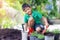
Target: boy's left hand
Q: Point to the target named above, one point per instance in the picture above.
(45, 29)
(47, 25)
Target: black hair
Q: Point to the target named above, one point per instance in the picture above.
(25, 5)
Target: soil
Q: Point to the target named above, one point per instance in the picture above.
(10, 34)
(48, 34)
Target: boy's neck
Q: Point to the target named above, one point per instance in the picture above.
(30, 14)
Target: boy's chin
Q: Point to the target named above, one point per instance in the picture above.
(29, 13)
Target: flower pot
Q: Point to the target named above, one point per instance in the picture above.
(32, 37)
(56, 37)
(35, 38)
(49, 37)
(41, 39)
(24, 35)
(59, 37)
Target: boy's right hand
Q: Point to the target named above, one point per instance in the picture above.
(30, 30)
(45, 30)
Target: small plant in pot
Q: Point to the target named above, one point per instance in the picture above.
(36, 36)
(57, 33)
(49, 35)
(33, 36)
(41, 36)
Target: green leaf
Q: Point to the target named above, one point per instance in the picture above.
(56, 31)
(40, 36)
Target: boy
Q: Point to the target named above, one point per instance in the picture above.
(33, 19)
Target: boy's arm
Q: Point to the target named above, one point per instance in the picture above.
(43, 18)
(45, 22)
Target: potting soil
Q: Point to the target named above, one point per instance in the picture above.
(10, 34)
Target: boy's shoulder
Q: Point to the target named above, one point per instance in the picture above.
(35, 11)
(26, 15)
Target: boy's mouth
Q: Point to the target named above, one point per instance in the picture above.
(29, 13)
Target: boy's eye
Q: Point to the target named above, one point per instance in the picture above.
(26, 10)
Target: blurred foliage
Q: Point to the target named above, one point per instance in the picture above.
(54, 5)
(56, 31)
(42, 10)
(58, 16)
(38, 35)
(38, 2)
(2, 15)
(54, 13)
(38, 5)
(17, 4)
(7, 22)
(14, 3)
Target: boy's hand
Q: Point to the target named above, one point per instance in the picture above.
(44, 31)
(30, 30)
(47, 25)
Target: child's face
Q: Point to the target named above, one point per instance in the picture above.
(28, 10)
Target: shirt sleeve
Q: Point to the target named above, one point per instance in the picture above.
(39, 15)
(25, 19)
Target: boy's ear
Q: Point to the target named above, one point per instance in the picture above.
(31, 7)
(23, 10)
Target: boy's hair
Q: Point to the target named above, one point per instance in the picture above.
(25, 5)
